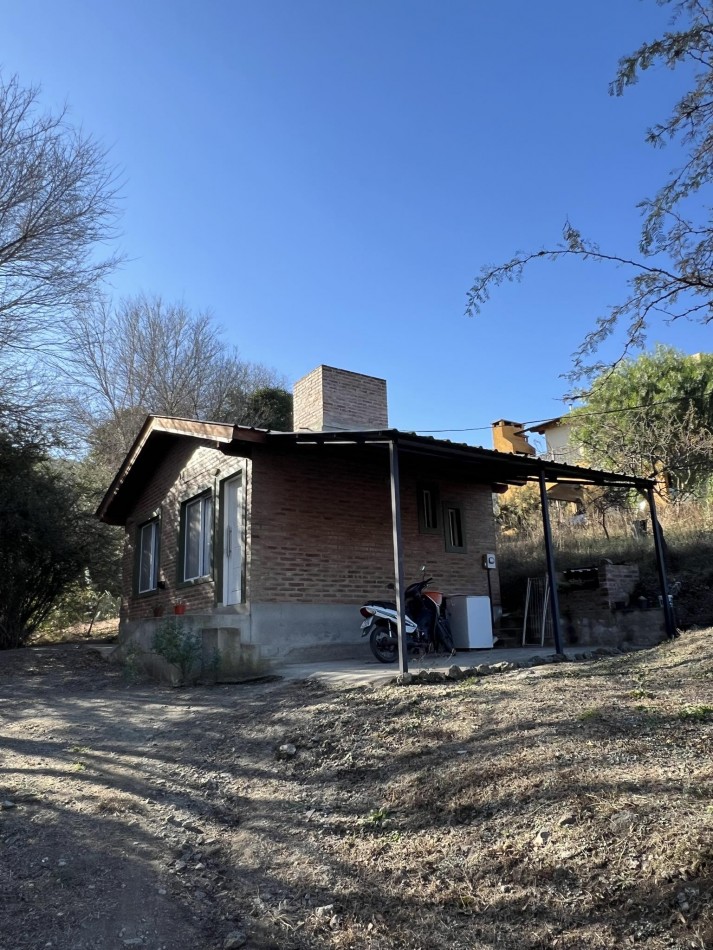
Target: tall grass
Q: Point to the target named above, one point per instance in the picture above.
(688, 532)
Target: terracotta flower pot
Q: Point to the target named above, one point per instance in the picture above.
(179, 609)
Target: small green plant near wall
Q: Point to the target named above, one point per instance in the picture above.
(132, 664)
(696, 713)
(178, 646)
(212, 666)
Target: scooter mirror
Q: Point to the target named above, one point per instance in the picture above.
(390, 586)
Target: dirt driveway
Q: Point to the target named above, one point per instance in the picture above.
(559, 807)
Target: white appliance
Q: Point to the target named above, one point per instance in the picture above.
(471, 622)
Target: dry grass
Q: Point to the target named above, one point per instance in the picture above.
(548, 808)
(101, 630)
(566, 806)
(688, 530)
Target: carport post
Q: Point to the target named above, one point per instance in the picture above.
(549, 556)
(398, 556)
(668, 618)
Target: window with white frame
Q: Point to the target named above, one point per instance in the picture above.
(428, 505)
(148, 541)
(453, 524)
(197, 528)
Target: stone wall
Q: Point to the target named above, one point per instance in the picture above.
(607, 615)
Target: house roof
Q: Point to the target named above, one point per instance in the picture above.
(491, 466)
(547, 424)
(157, 435)
(485, 466)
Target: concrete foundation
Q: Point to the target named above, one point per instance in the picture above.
(303, 632)
(241, 642)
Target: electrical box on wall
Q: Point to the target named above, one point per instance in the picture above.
(489, 562)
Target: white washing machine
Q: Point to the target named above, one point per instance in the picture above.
(471, 622)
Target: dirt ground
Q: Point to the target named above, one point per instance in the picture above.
(565, 806)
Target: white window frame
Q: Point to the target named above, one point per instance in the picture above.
(205, 536)
(153, 527)
(454, 522)
(429, 508)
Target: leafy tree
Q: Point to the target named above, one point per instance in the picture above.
(652, 416)
(49, 538)
(58, 204)
(519, 511)
(269, 408)
(673, 274)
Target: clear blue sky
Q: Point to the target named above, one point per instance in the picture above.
(328, 176)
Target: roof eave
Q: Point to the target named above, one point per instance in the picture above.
(220, 432)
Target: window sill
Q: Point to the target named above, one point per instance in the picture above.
(194, 582)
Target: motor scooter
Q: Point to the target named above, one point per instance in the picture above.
(427, 629)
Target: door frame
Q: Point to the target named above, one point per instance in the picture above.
(240, 474)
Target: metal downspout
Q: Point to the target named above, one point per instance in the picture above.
(549, 555)
(669, 621)
(398, 556)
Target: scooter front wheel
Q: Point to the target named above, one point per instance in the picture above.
(384, 644)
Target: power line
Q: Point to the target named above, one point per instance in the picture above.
(579, 415)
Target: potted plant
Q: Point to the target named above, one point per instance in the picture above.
(179, 607)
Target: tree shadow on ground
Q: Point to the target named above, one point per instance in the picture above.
(415, 814)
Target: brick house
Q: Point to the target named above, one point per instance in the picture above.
(273, 540)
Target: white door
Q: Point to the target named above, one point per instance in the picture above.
(232, 542)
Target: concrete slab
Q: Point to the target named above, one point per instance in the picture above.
(367, 671)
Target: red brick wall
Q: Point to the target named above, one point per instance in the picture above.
(187, 469)
(453, 572)
(321, 529)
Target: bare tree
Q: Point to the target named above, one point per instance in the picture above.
(146, 356)
(58, 201)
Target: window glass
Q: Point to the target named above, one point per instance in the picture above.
(148, 557)
(206, 528)
(428, 506)
(198, 521)
(453, 527)
(429, 510)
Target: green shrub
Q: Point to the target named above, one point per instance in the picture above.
(178, 646)
(697, 713)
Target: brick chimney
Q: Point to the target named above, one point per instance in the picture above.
(329, 399)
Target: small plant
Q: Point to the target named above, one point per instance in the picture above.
(178, 646)
(213, 664)
(378, 816)
(132, 663)
(697, 713)
(587, 715)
